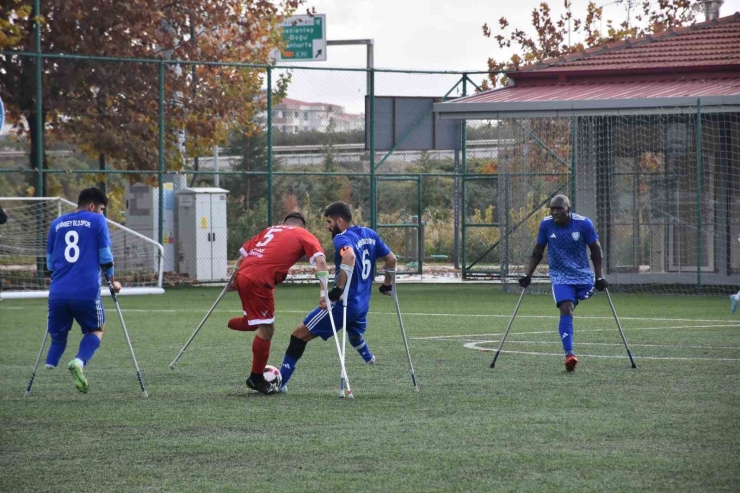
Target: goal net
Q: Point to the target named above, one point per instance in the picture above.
(662, 189)
(23, 272)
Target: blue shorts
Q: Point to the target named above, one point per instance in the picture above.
(571, 292)
(319, 323)
(88, 313)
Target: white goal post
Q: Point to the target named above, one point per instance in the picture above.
(138, 259)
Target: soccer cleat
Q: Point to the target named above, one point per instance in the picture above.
(283, 389)
(371, 361)
(263, 386)
(80, 381)
(50, 367)
(734, 301)
(570, 362)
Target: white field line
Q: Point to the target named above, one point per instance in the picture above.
(473, 345)
(672, 346)
(416, 314)
(630, 329)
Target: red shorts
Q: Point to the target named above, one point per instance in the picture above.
(258, 301)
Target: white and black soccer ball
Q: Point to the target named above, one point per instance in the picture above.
(273, 376)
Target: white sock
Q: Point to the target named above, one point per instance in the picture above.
(82, 363)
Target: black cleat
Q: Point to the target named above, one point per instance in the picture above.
(261, 386)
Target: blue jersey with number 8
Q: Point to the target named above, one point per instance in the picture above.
(73, 245)
(368, 248)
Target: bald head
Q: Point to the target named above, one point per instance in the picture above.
(560, 201)
(560, 209)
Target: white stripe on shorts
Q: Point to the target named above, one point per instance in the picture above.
(99, 308)
(316, 319)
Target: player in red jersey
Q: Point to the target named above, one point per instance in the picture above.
(265, 261)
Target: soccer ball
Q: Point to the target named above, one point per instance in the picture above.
(273, 377)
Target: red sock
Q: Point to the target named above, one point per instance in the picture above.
(260, 354)
(240, 324)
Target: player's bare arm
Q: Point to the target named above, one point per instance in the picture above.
(348, 259)
(534, 260)
(389, 266)
(597, 259)
(321, 270)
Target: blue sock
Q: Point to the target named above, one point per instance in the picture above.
(566, 333)
(287, 368)
(88, 345)
(359, 343)
(56, 350)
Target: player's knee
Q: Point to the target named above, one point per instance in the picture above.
(59, 338)
(301, 332)
(296, 347)
(265, 331)
(566, 307)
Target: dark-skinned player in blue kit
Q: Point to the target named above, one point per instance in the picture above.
(566, 235)
(77, 249)
(356, 250)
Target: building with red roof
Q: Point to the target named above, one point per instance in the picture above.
(644, 135)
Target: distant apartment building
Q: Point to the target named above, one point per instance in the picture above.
(293, 116)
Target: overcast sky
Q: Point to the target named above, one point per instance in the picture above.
(410, 34)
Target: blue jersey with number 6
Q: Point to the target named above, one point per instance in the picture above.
(368, 248)
(73, 245)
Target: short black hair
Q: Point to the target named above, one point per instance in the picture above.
(338, 209)
(295, 215)
(92, 194)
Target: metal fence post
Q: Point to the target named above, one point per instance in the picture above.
(269, 147)
(573, 151)
(40, 261)
(464, 169)
(160, 147)
(373, 185)
(699, 166)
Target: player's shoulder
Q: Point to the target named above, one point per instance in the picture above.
(579, 219)
(546, 220)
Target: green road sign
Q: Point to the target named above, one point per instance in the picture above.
(305, 38)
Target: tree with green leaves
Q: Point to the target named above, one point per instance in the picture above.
(110, 108)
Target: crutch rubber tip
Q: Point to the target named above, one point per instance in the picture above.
(172, 367)
(145, 394)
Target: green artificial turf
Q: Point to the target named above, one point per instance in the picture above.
(527, 425)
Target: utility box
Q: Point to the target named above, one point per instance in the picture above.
(203, 233)
(142, 215)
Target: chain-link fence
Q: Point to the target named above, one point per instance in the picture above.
(664, 202)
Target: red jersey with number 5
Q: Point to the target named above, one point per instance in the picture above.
(271, 253)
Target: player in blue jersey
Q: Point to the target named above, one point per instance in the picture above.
(356, 250)
(77, 249)
(566, 235)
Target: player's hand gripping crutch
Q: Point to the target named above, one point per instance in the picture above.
(619, 326)
(384, 290)
(495, 356)
(125, 333)
(325, 288)
(223, 292)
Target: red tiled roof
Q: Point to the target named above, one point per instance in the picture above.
(608, 91)
(712, 43)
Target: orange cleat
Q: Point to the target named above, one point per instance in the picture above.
(570, 362)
